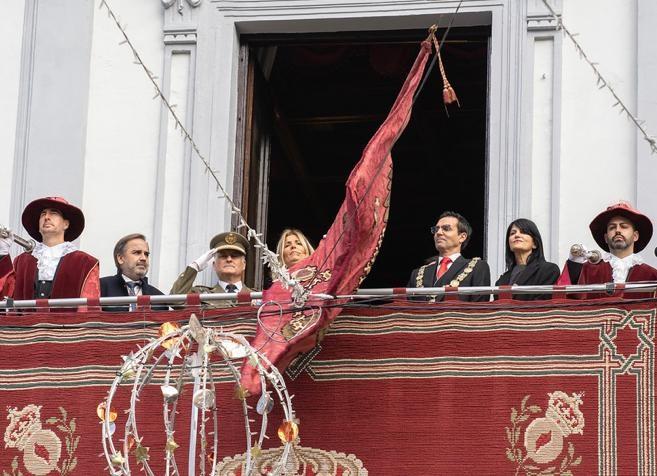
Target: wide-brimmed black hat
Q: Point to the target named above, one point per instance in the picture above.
(70, 212)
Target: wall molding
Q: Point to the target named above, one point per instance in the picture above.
(23, 119)
(646, 107)
(53, 103)
(180, 5)
(179, 38)
(541, 23)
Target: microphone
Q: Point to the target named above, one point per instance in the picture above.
(593, 256)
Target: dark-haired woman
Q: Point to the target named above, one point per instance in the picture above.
(525, 261)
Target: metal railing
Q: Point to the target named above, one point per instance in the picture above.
(256, 297)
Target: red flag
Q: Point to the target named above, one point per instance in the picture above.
(345, 256)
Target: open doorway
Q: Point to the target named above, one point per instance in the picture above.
(311, 104)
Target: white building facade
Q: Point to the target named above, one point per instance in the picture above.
(79, 119)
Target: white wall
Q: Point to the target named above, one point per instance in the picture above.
(123, 129)
(598, 147)
(11, 24)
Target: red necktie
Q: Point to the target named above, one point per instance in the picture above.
(444, 263)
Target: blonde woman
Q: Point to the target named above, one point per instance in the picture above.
(293, 246)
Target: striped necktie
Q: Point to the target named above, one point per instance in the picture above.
(131, 285)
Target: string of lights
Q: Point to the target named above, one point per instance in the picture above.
(602, 82)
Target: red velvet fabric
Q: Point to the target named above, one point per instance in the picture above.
(72, 275)
(7, 276)
(344, 257)
(602, 273)
(412, 390)
(143, 303)
(564, 278)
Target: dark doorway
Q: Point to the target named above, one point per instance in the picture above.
(320, 99)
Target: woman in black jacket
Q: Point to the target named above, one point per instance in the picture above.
(525, 261)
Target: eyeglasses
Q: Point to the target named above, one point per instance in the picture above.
(434, 229)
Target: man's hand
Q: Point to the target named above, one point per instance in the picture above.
(5, 244)
(578, 254)
(202, 262)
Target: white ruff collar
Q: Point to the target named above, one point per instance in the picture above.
(48, 258)
(621, 266)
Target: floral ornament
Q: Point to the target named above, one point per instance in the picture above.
(301, 460)
(544, 437)
(41, 448)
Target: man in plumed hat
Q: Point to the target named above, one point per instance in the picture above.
(227, 254)
(55, 268)
(621, 231)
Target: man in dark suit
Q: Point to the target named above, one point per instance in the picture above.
(132, 259)
(451, 235)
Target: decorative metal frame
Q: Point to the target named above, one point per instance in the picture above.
(178, 344)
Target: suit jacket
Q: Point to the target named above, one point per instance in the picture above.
(480, 276)
(114, 286)
(185, 285)
(536, 273)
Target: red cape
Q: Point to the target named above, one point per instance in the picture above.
(602, 273)
(77, 276)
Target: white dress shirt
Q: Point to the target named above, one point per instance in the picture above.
(453, 257)
(223, 284)
(137, 286)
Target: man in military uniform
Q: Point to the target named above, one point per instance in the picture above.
(451, 235)
(228, 257)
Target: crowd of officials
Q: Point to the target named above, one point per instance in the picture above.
(55, 268)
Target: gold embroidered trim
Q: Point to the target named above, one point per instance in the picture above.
(420, 275)
(464, 274)
(300, 460)
(300, 321)
(453, 283)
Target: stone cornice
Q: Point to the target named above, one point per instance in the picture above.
(180, 4)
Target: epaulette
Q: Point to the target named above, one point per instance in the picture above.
(200, 289)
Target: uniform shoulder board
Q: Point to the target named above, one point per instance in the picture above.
(200, 289)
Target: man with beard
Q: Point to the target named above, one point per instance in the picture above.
(132, 260)
(621, 231)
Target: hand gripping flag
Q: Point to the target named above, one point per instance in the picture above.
(346, 254)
